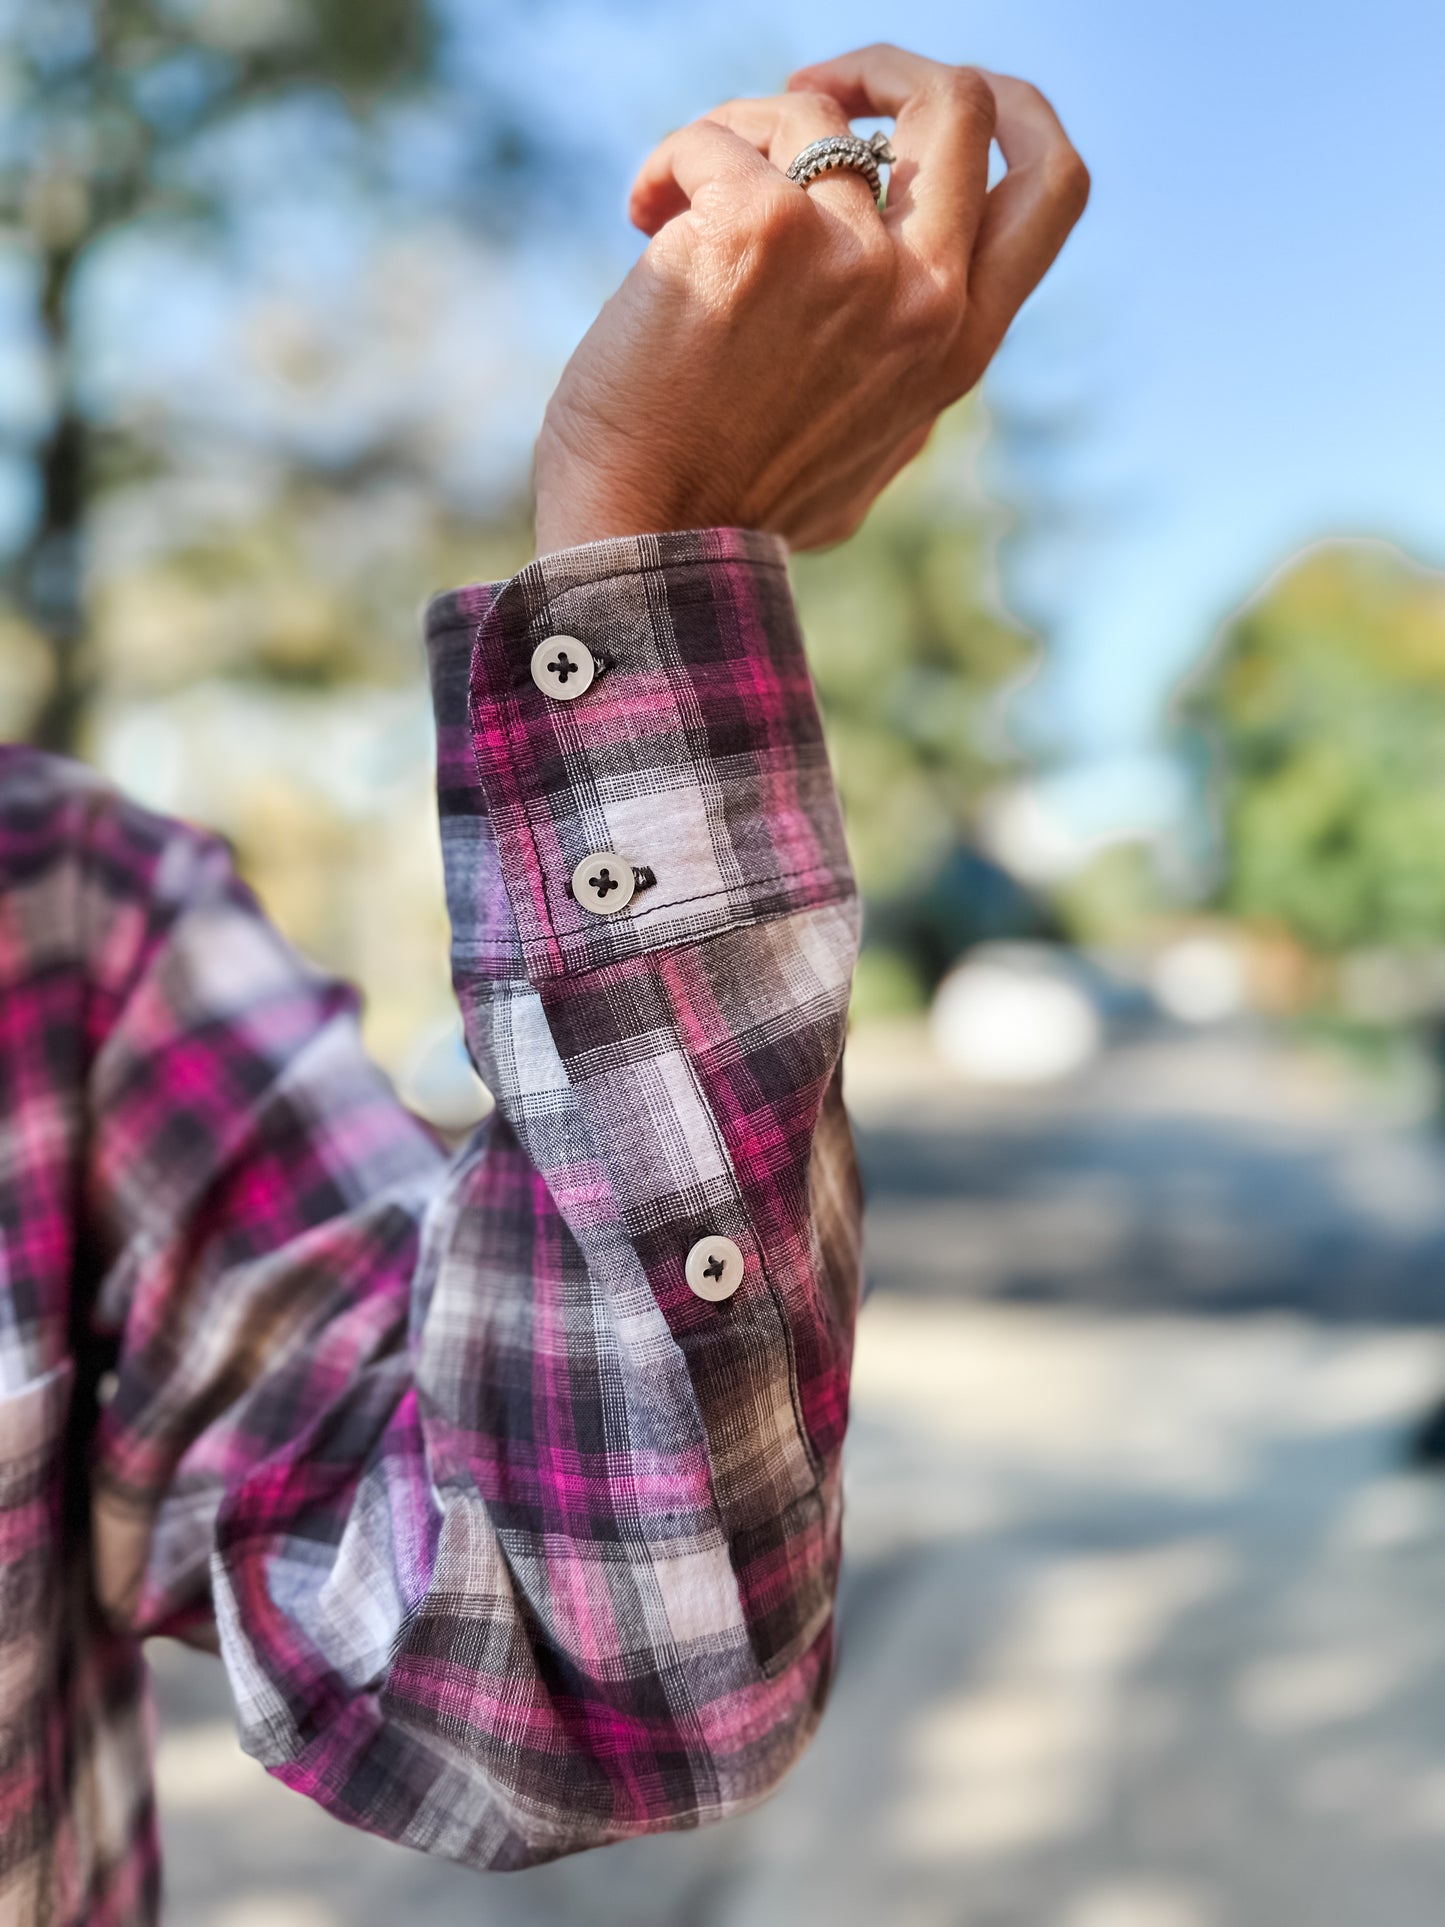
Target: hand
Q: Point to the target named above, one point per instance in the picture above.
(778, 353)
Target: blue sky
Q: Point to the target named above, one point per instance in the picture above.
(1244, 334)
(1246, 330)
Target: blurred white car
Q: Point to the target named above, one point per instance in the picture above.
(1018, 1013)
(440, 1084)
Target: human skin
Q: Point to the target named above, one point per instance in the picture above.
(778, 353)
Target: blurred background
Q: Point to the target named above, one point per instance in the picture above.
(1136, 693)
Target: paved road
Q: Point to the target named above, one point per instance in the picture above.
(1213, 1176)
(1142, 1624)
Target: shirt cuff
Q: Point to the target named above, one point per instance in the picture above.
(694, 755)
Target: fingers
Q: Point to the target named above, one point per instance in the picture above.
(783, 125)
(700, 158)
(777, 129)
(939, 191)
(1029, 214)
(870, 80)
(944, 121)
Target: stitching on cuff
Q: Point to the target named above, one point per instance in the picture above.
(745, 920)
(655, 910)
(692, 565)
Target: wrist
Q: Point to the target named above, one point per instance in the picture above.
(573, 513)
(590, 488)
(568, 524)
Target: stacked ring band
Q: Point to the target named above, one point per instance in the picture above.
(846, 151)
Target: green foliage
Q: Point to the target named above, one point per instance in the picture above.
(313, 593)
(195, 559)
(116, 116)
(1322, 713)
(887, 983)
(1114, 898)
(114, 94)
(911, 654)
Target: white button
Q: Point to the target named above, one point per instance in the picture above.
(563, 668)
(603, 884)
(714, 1268)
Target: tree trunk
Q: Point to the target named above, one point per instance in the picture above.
(50, 570)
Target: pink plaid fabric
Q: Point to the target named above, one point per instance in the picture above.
(510, 1543)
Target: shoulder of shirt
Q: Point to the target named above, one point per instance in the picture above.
(54, 805)
(103, 862)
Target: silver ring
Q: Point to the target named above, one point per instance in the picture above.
(844, 150)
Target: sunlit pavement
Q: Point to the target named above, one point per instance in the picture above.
(1143, 1624)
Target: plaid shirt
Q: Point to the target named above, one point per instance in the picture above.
(512, 1543)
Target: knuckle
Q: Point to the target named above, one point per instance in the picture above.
(1069, 180)
(815, 117)
(969, 94)
(785, 217)
(815, 103)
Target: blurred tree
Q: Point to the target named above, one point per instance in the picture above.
(1320, 716)
(284, 340)
(116, 116)
(1116, 897)
(914, 657)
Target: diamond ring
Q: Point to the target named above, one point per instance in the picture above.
(845, 151)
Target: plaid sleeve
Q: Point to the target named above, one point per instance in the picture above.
(521, 1545)
(252, 1202)
(671, 1071)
